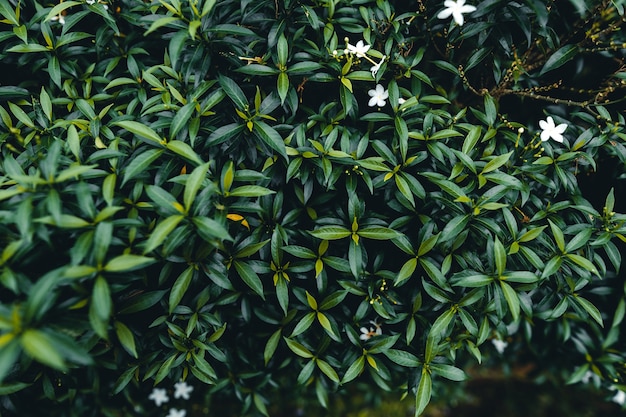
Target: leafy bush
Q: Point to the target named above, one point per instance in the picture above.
(281, 198)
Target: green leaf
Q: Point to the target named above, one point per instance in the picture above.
(141, 302)
(303, 324)
(124, 263)
(180, 288)
(496, 162)
(531, 234)
(140, 130)
(440, 325)
(250, 277)
(101, 299)
(257, 69)
(354, 370)
(224, 133)
(448, 371)
(163, 21)
(560, 57)
(402, 358)
(558, 236)
(406, 271)
(181, 119)
(271, 345)
(298, 349)
(9, 14)
(424, 390)
(126, 338)
(454, 227)
(162, 231)
(25, 48)
(378, 233)
(583, 262)
(9, 353)
(250, 191)
(282, 85)
(590, 309)
(56, 10)
(41, 347)
(193, 184)
(233, 91)
(210, 229)
(500, 256)
(427, 245)
(183, 149)
(282, 49)
(331, 232)
(270, 137)
(327, 370)
(512, 299)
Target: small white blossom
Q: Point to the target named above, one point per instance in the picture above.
(182, 390)
(500, 345)
(59, 18)
(401, 101)
(456, 9)
(376, 67)
(177, 413)
(378, 96)
(550, 130)
(359, 49)
(619, 397)
(90, 2)
(366, 333)
(159, 396)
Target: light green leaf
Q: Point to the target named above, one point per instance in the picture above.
(124, 263)
(512, 299)
(183, 149)
(140, 130)
(40, 346)
(250, 277)
(162, 231)
(424, 390)
(496, 162)
(331, 232)
(590, 309)
(126, 338)
(298, 349)
(180, 288)
(193, 184)
(354, 370)
(378, 233)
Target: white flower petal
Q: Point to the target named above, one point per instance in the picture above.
(560, 128)
(444, 14)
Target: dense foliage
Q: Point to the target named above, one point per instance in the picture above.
(280, 198)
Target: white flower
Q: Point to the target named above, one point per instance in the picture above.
(90, 2)
(550, 130)
(359, 49)
(376, 67)
(456, 9)
(366, 333)
(378, 96)
(619, 398)
(177, 413)
(401, 101)
(159, 396)
(59, 18)
(182, 390)
(500, 345)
